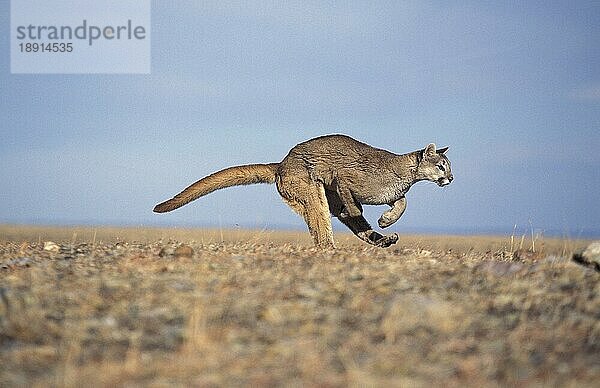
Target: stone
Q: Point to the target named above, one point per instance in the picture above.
(165, 252)
(17, 262)
(51, 246)
(183, 251)
(589, 256)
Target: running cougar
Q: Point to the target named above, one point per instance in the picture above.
(336, 174)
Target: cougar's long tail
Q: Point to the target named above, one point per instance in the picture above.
(232, 176)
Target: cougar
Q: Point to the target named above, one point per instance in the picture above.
(334, 174)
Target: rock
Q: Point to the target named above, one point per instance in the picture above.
(183, 251)
(51, 246)
(17, 262)
(166, 251)
(180, 251)
(589, 256)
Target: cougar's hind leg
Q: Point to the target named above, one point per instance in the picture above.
(358, 225)
(318, 218)
(307, 198)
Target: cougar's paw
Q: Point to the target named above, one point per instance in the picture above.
(388, 240)
(377, 239)
(369, 236)
(384, 221)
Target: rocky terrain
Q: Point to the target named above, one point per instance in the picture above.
(151, 307)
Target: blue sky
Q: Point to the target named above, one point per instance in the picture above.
(513, 89)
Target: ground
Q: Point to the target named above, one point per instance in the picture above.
(106, 307)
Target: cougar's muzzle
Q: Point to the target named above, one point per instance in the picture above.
(445, 181)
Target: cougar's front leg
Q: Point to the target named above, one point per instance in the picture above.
(392, 215)
(358, 225)
(350, 207)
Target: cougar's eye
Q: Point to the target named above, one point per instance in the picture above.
(441, 167)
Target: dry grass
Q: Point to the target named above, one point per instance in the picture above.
(115, 307)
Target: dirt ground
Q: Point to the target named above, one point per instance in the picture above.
(138, 307)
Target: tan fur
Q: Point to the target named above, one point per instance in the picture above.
(334, 174)
(232, 176)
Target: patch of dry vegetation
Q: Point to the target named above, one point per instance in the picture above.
(111, 306)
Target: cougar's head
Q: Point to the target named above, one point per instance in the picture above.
(434, 166)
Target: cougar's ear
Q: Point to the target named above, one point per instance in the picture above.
(442, 150)
(429, 150)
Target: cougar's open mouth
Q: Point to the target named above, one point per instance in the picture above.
(443, 182)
